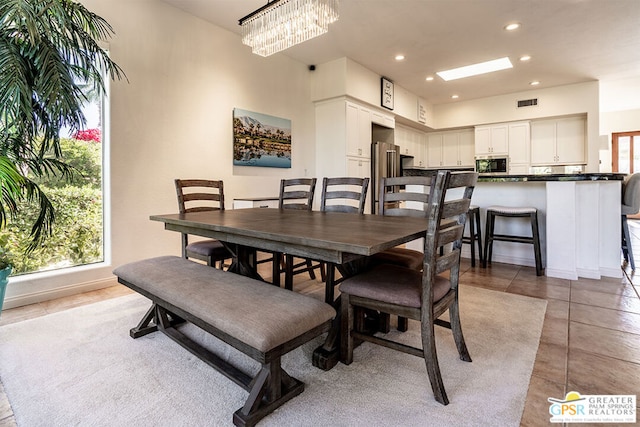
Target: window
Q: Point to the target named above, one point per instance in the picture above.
(625, 148)
(78, 237)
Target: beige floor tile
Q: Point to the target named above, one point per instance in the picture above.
(613, 319)
(536, 410)
(607, 285)
(555, 331)
(539, 290)
(551, 362)
(19, 314)
(604, 342)
(592, 374)
(606, 300)
(529, 274)
(557, 309)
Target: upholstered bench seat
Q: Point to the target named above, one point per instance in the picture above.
(261, 320)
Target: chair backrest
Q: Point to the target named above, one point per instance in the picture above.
(631, 194)
(395, 199)
(344, 194)
(297, 193)
(449, 201)
(199, 195)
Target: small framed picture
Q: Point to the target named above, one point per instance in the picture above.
(386, 93)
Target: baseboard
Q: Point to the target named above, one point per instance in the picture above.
(60, 292)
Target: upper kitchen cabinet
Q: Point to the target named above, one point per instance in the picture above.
(453, 149)
(344, 133)
(358, 127)
(411, 144)
(519, 147)
(492, 140)
(382, 119)
(558, 141)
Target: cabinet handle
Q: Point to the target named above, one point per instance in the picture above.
(359, 151)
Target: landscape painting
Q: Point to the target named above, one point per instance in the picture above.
(261, 140)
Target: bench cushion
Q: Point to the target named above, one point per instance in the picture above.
(256, 313)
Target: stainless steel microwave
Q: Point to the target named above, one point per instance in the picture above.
(492, 165)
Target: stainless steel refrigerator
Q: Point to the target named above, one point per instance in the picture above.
(385, 162)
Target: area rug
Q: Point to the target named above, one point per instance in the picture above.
(80, 367)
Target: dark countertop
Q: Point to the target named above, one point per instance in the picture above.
(528, 178)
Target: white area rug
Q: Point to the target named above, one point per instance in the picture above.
(80, 367)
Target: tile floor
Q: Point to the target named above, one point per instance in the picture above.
(590, 341)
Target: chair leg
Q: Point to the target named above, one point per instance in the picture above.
(626, 248)
(472, 239)
(312, 274)
(431, 361)
(479, 240)
(456, 329)
(488, 239)
(536, 244)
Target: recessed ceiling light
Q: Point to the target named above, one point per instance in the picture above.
(512, 26)
(525, 58)
(475, 69)
(534, 83)
(429, 78)
(454, 97)
(399, 57)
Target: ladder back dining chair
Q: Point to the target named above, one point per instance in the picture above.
(347, 195)
(201, 195)
(422, 296)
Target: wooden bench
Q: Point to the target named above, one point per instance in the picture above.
(260, 320)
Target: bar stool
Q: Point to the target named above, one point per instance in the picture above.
(512, 212)
(475, 234)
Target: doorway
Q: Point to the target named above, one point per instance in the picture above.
(625, 147)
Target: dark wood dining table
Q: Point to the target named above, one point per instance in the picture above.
(344, 240)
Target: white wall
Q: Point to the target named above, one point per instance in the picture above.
(345, 77)
(173, 118)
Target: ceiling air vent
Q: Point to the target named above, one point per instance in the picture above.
(527, 102)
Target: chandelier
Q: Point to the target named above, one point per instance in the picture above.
(281, 24)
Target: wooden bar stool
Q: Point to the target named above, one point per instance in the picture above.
(475, 234)
(513, 212)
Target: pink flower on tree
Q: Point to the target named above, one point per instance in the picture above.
(88, 135)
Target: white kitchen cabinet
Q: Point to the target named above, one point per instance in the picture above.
(358, 127)
(344, 133)
(492, 140)
(466, 148)
(434, 150)
(382, 119)
(411, 143)
(558, 142)
(450, 149)
(519, 148)
(360, 168)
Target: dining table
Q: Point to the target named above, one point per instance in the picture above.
(343, 240)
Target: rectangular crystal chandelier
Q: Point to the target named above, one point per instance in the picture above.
(281, 24)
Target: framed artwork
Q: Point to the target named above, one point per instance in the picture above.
(261, 140)
(386, 86)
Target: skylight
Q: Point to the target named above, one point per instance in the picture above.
(475, 69)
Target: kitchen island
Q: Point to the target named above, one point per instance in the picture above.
(578, 214)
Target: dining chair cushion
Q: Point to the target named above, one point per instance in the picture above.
(208, 248)
(404, 257)
(393, 284)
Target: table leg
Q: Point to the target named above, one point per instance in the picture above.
(244, 260)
